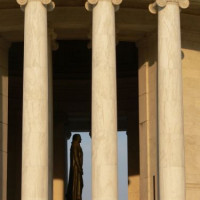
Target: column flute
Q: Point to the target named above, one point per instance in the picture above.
(35, 138)
(170, 106)
(104, 100)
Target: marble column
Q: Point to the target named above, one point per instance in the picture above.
(35, 138)
(170, 106)
(3, 117)
(104, 101)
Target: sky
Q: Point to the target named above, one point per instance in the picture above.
(122, 165)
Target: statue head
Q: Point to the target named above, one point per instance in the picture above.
(76, 137)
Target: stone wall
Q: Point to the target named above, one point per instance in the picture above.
(191, 102)
(148, 117)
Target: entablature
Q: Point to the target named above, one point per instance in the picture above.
(133, 20)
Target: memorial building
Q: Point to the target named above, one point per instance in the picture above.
(100, 66)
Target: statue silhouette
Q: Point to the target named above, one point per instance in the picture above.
(75, 184)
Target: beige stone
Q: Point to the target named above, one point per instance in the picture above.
(170, 109)
(143, 108)
(58, 189)
(144, 190)
(191, 120)
(134, 187)
(144, 152)
(35, 144)
(148, 111)
(104, 104)
(191, 84)
(193, 192)
(143, 75)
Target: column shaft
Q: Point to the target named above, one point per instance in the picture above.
(104, 109)
(170, 108)
(35, 104)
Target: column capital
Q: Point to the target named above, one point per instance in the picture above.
(48, 3)
(162, 3)
(90, 4)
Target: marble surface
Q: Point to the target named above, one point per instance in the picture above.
(170, 107)
(35, 104)
(104, 104)
(191, 96)
(191, 100)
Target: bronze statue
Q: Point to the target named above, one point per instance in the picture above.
(75, 184)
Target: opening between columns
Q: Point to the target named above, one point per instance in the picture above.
(72, 102)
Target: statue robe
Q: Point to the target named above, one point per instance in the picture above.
(75, 185)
